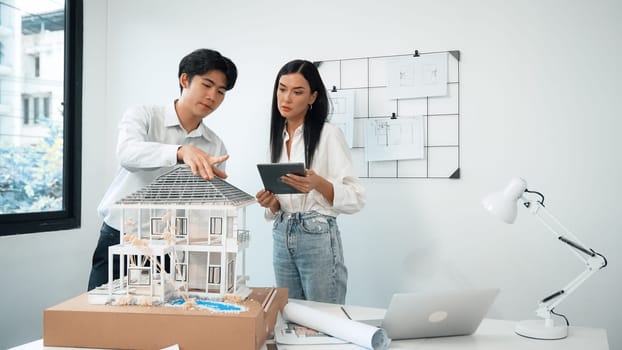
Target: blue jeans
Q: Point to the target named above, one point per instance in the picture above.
(308, 257)
(108, 236)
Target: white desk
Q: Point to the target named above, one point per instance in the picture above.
(491, 334)
(499, 334)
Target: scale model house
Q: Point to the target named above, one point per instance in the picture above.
(181, 235)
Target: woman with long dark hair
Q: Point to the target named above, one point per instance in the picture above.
(308, 255)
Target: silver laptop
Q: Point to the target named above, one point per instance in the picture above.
(439, 314)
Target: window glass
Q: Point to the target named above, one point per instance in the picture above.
(40, 93)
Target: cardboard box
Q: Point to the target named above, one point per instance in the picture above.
(76, 323)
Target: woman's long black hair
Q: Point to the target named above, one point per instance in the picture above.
(315, 118)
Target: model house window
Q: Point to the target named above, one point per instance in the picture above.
(215, 226)
(181, 227)
(40, 116)
(214, 275)
(231, 274)
(157, 226)
(139, 276)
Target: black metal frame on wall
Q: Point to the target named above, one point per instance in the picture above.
(366, 77)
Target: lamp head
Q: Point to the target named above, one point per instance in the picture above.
(503, 204)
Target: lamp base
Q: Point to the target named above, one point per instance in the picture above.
(541, 329)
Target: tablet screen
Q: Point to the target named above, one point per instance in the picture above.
(271, 176)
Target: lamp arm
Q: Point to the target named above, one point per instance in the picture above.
(561, 232)
(550, 302)
(592, 260)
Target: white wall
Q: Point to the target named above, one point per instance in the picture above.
(539, 99)
(41, 270)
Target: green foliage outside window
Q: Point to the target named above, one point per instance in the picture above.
(31, 175)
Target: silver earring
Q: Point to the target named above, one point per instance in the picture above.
(310, 106)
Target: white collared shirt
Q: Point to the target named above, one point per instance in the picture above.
(149, 137)
(333, 161)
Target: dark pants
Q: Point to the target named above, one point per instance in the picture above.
(108, 236)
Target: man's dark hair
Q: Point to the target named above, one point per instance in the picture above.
(201, 61)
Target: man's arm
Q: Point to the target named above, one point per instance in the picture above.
(134, 150)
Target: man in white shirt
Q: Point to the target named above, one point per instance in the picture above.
(153, 139)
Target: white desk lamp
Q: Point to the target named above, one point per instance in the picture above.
(504, 205)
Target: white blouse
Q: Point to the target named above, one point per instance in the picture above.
(333, 161)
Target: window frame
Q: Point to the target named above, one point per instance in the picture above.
(70, 216)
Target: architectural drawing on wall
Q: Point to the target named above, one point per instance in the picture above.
(417, 76)
(366, 78)
(181, 235)
(341, 112)
(393, 139)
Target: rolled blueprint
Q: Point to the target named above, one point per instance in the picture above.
(358, 333)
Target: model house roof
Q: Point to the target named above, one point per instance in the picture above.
(180, 186)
